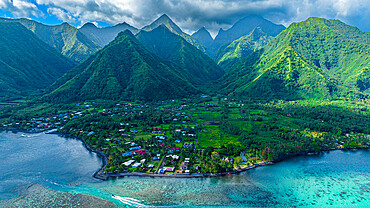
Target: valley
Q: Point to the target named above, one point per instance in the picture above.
(204, 136)
(156, 102)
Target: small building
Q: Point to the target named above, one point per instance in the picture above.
(128, 163)
(184, 165)
(135, 148)
(126, 154)
(229, 160)
(168, 169)
(136, 165)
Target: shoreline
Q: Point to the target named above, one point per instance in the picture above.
(99, 174)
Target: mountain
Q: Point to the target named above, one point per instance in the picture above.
(166, 21)
(228, 55)
(290, 77)
(27, 64)
(65, 38)
(199, 67)
(124, 69)
(204, 37)
(299, 56)
(244, 27)
(103, 36)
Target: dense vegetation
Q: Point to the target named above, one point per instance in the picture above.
(216, 134)
(124, 69)
(139, 97)
(228, 55)
(199, 67)
(205, 38)
(330, 64)
(66, 39)
(27, 64)
(243, 27)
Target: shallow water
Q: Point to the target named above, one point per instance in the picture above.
(335, 179)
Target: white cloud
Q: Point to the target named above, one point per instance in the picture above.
(61, 14)
(20, 8)
(193, 14)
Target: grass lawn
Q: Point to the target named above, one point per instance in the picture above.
(210, 136)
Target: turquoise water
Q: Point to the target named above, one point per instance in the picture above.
(335, 179)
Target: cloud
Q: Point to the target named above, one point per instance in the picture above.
(61, 14)
(193, 14)
(20, 8)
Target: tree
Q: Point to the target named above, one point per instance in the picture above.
(238, 161)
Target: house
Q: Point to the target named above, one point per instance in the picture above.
(128, 163)
(135, 148)
(187, 145)
(127, 154)
(184, 165)
(142, 161)
(150, 166)
(136, 165)
(140, 151)
(229, 160)
(243, 157)
(168, 169)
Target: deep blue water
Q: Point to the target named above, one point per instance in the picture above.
(335, 179)
(46, 159)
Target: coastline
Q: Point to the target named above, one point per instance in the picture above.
(99, 174)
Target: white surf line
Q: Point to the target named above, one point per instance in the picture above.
(135, 202)
(132, 199)
(129, 201)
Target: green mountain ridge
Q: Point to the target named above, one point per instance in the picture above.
(243, 27)
(320, 45)
(124, 70)
(205, 38)
(171, 47)
(290, 77)
(166, 21)
(66, 39)
(228, 55)
(27, 64)
(103, 36)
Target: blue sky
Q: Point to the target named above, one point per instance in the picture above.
(190, 15)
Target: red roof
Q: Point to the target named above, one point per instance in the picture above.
(158, 127)
(138, 151)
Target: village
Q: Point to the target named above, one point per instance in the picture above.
(182, 137)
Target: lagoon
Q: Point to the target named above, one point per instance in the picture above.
(335, 179)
